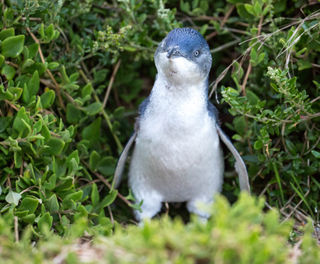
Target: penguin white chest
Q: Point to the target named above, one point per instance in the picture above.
(177, 152)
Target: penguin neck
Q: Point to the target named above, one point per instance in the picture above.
(192, 96)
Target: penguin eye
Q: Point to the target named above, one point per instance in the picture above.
(196, 53)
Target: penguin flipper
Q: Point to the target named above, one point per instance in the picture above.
(239, 165)
(122, 161)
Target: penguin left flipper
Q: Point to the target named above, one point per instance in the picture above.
(239, 165)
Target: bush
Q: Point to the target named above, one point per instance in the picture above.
(242, 233)
(74, 72)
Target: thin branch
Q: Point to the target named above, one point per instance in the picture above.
(105, 115)
(225, 46)
(114, 73)
(224, 20)
(105, 181)
(245, 80)
(57, 87)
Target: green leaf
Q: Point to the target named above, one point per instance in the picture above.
(73, 114)
(107, 165)
(109, 199)
(13, 197)
(12, 46)
(94, 160)
(5, 33)
(240, 125)
(118, 112)
(92, 132)
(53, 65)
(49, 31)
(252, 97)
(86, 90)
(242, 11)
(258, 145)
(45, 132)
(29, 219)
(257, 8)
(17, 159)
(75, 197)
(29, 203)
(53, 204)
(316, 153)
(15, 92)
(47, 98)
(1, 60)
(33, 50)
(93, 108)
(249, 8)
(34, 83)
(8, 71)
(21, 122)
(45, 221)
(94, 195)
(55, 146)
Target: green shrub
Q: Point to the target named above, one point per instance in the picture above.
(242, 233)
(72, 74)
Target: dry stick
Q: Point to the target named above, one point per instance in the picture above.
(224, 20)
(243, 87)
(105, 115)
(105, 181)
(114, 73)
(16, 229)
(11, 105)
(111, 215)
(244, 84)
(225, 46)
(57, 87)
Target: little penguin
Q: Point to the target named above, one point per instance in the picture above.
(177, 155)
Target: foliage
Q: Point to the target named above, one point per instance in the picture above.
(72, 74)
(242, 233)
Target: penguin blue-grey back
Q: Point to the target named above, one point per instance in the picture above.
(177, 155)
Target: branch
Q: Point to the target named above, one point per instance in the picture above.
(57, 87)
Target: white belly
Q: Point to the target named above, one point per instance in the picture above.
(178, 158)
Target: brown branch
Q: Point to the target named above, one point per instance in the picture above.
(105, 181)
(16, 229)
(113, 75)
(223, 22)
(245, 80)
(57, 87)
(11, 105)
(12, 64)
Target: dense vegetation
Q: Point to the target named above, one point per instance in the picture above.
(72, 74)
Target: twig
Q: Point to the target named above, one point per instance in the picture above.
(16, 229)
(224, 20)
(225, 46)
(105, 115)
(114, 73)
(245, 80)
(243, 87)
(111, 215)
(57, 87)
(12, 64)
(105, 181)
(31, 18)
(12, 105)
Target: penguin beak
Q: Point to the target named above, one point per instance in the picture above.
(173, 51)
